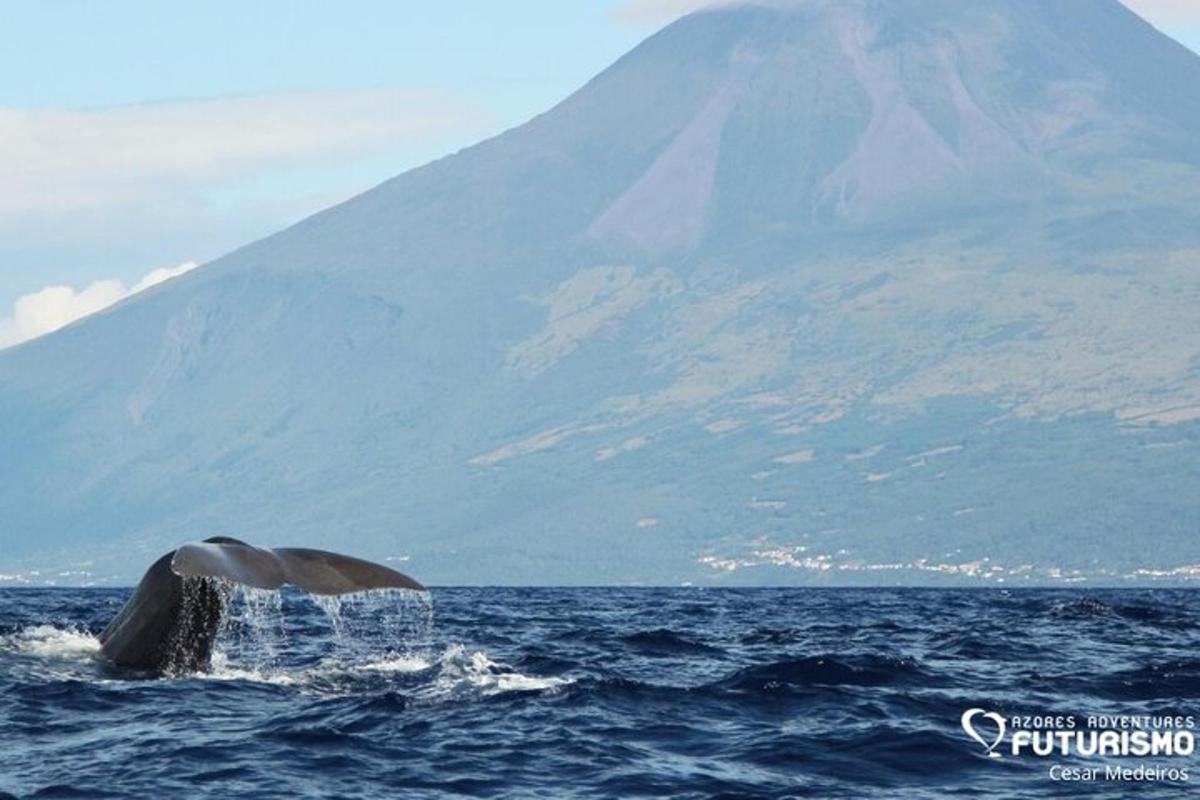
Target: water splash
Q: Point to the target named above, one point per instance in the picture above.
(47, 641)
(378, 624)
(372, 637)
(49, 652)
(224, 670)
(399, 664)
(361, 643)
(380, 631)
(462, 675)
(254, 632)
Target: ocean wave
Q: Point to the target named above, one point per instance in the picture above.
(1080, 608)
(665, 642)
(1165, 680)
(768, 635)
(826, 670)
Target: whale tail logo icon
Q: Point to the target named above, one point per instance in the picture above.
(968, 725)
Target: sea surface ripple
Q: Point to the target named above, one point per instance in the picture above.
(499, 692)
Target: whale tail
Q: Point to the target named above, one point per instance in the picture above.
(314, 571)
(171, 622)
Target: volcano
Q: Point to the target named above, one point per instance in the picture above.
(865, 291)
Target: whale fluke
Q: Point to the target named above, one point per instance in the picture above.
(171, 621)
(320, 572)
(240, 563)
(314, 571)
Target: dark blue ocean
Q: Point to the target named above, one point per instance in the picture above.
(600, 693)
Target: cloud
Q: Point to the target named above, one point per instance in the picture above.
(658, 12)
(51, 308)
(56, 160)
(1167, 12)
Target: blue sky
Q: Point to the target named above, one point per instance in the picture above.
(142, 135)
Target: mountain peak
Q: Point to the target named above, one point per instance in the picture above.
(871, 112)
(807, 119)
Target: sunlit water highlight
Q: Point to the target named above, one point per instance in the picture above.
(586, 693)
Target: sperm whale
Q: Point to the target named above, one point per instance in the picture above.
(170, 622)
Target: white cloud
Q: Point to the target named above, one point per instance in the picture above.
(51, 308)
(57, 160)
(156, 276)
(1167, 12)
(657, 12)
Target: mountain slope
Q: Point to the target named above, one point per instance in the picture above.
(809, 290)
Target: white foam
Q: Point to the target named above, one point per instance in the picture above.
(222, 670)
(46, 641)
(475, 673)
(456, 674)
(399, 663)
